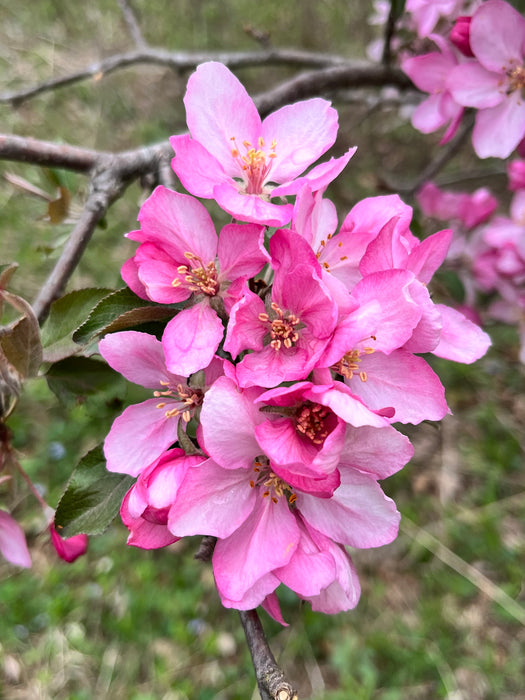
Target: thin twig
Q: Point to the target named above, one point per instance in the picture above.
(177, 60)
(353, 73)
(390, 26)
(330, 79)
(133, 25)
(270, 678)
(104, 190)
(444, 156)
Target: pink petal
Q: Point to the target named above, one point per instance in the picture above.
(380, 452)
(318, 177)
(472, 85)
(461, 340)
(68, 548)
(241, 251)
(404, 381)
(130, 274)
(219, 108)
(145, 429)
(137, 356)
(251, 207)
(264, 542)
(499, 130)
(191, 338)
(197, 169)
(178, 223)
(303, 132)
(228, 420)
(212, 501)
(358, 514)
(429, 255)
(143, 533)
(13, 542)
(497, 35)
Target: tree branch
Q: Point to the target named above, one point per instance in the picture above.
(366, 73)
(133, 25)
(330, 79)
(271, 681)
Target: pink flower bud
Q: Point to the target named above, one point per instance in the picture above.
(516, 175)
(460, 35)
(69, 548)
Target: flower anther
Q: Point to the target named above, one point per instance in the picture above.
(271, 484)
(282, 327)
(187, 398)
(516, 78)
(348, 365)
(311, 422)
(255, 164)
(197, 277)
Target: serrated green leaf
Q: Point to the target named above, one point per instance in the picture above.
(66, 315)
(92, 497)
(77, 377)
(119, 311)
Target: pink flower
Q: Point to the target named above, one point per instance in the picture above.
(289, 331)
(145, 430)
(516, 175)
(13, 545)
(430, 73)
(469, 209)
(238, 496)
(427, 13)
(180, 257)
(145, 507)
(495, 81)
(242, 162)
(68, 548)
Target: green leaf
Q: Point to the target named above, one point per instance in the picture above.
(119, 311)
(20, 340)
(77, 377)
(66, 315)
(398, 7)
(92, 497)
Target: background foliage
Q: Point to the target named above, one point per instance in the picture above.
(122, 623)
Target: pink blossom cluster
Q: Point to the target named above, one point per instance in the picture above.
(489, 248)
(480, 64)
(298, 345)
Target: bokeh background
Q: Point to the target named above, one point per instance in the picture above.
(126, 624)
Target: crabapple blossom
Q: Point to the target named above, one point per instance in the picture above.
(430, 73)
(242, 162)
(288, 333)
(469, 210)
(179, 257)
(151, 426)
(427, 13)
(495, 81)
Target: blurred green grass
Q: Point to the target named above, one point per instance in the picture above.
(122, 623)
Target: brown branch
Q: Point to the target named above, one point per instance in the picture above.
(330, 79)
(444, 156)
(24, 149)
(132, 24)
(386, 58)
(177, 60)
(271, 681)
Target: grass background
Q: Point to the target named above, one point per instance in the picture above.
(122, 623)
